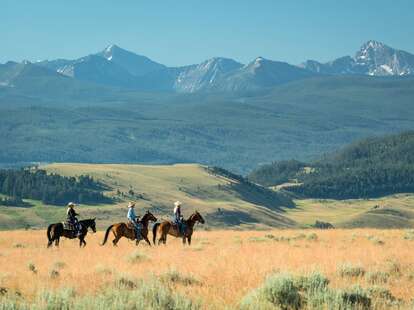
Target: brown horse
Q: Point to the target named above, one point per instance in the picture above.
(123, 230)
(169, 228)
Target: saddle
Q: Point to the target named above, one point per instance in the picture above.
(68, 226)
(177, 227)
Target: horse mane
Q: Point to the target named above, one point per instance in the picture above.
(191, 216)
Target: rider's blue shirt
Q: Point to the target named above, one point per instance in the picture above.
(131, 215)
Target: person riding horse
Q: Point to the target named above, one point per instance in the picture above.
(178, 218)
(71, 218)
(134, 220)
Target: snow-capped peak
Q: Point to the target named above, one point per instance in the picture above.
(110, 48)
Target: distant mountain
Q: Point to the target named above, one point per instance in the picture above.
(261, 73)
(373, 58)
(99, 70)
(204, 76)
(135, 64)
(118, 67)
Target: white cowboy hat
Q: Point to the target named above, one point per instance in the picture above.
(71, 205)
(131, 204)
(177, 204)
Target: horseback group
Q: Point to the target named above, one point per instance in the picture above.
(135, 229)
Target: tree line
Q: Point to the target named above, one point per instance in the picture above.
(372, 167)
(52, 189)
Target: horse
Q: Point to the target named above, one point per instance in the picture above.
(55, 231)
(122, 230)
(168, 228)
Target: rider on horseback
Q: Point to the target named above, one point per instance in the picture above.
(178, 218)
(134, 220)
(72, 220)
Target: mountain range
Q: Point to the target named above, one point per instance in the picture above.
(116, 67)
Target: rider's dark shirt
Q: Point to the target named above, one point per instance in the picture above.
(72, 215)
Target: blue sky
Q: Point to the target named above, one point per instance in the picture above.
(182, 31)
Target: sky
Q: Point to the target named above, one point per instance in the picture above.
(180, 32)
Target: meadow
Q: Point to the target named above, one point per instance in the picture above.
(270, 269)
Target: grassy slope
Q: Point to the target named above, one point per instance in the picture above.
(395, 211)
(159, 187)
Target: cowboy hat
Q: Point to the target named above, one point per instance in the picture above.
(71, 205)
(177, 204)
(131, 204)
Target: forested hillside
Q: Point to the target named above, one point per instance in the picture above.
(49, 188)
(301, 119)
(369, 168)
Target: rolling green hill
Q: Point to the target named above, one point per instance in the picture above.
(223, 201)
(302, 119)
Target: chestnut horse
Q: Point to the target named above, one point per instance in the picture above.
(169, 228)
(123, 230)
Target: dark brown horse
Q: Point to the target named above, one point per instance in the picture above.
(169, 228)
(123, 230)
(55, 231)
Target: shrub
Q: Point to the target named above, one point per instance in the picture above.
(305, 292)
(348, 270)
(54, 274)
(394, 268)
(376, 240)
(125, 282)
(278, 290)
(258, 239)
(312, 237)
(381, 294)
(32, 267)
(146, 295)
(54, 300)
(356, 298)
(103, 270)
(173, 276)
(313, 282)
(59, 265)
(136, 257)
(409, 235)
(376, 277)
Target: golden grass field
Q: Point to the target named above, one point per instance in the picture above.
(223, 266)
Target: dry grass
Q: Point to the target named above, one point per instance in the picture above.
(227, 265)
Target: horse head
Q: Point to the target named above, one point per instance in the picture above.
(91, 224)
(198, 218)
(149, 217)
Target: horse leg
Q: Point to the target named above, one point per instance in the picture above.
(82, 242)
(115, 241)
(49, 243)
(189, 240)
(137, 242)
(146, 239)
(57, 241)
(184, 240)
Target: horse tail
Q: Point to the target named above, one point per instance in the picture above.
(106, 234)
(154, 232)
(49, 230)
